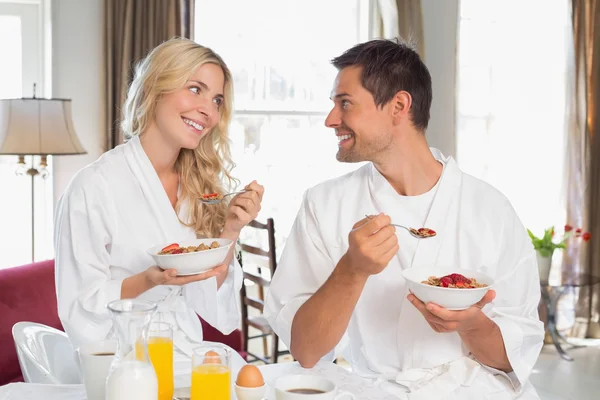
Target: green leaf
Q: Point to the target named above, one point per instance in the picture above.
(544, 252)
(547, 235)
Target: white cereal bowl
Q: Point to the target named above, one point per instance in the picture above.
(245, 393)
(449, 298)
(192, 263)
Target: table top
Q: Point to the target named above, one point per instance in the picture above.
(344, 379)
(573, 281)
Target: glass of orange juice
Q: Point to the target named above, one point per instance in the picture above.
(211, 373)
(160, 351)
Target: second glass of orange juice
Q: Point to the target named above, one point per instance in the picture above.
(211, 373)
(160, 351)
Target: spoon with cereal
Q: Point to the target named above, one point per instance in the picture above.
(216, 198)
(421, 233)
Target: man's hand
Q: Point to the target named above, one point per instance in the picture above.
(479, 333)
(323, 319)
(372, 244)
(443, 321)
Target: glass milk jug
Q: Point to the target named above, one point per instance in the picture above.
(131, 376)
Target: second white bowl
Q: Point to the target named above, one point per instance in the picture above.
(449, 298)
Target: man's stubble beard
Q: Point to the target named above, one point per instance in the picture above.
(371, 153)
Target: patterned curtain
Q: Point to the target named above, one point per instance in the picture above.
(583, 164)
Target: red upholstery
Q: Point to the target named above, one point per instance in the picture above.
(27, 293)
(233, 340)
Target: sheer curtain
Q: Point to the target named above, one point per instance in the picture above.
(511, 100)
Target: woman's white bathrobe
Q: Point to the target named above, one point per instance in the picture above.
(113, 211)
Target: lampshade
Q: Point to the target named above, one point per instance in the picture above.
(35, 126)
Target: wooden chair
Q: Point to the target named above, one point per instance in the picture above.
(263, 260)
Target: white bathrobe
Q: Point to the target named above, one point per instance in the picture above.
(387, 337)
(111, 213)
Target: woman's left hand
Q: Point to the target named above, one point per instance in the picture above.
(244, 207)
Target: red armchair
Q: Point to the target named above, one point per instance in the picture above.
(27, 293)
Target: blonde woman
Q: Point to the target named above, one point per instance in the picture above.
(145, 192)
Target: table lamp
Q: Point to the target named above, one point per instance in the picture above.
(37, 126)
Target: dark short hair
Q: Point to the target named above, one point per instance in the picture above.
(389, 66)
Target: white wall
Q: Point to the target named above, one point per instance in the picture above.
(78, 74)
(440, 24)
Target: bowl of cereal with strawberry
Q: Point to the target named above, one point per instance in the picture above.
(193, 256)
(451, 288)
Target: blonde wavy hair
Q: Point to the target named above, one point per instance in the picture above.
(207, 168)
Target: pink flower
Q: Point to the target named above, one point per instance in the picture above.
(586, 236)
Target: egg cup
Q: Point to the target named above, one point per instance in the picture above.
(246, 393)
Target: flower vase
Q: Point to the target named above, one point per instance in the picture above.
(544, 265)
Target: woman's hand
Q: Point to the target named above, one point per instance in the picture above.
(158, 276)
(137, 284)
(243, 208)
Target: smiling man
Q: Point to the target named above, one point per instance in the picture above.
(339, 280)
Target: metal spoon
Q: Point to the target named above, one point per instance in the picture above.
(220, 198)
(421, 233)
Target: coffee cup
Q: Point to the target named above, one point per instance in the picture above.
(95, 359)
(305, 387)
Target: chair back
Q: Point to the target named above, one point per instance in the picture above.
(259, 263)
(255, 259)
(45, 354)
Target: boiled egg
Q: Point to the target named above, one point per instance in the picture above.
(212, 357)
(250, 377)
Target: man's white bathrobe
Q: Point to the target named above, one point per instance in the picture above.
(387, 337)
(111, 213)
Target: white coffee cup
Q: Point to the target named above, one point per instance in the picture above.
(288, 388)
(95, 361)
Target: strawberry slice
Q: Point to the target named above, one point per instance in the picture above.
(426, 231)
(171, 247)
(446, 281)
(457, 278)
(210, 196)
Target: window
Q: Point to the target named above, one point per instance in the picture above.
(22, 65)
(511, 101)
(279, 59)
